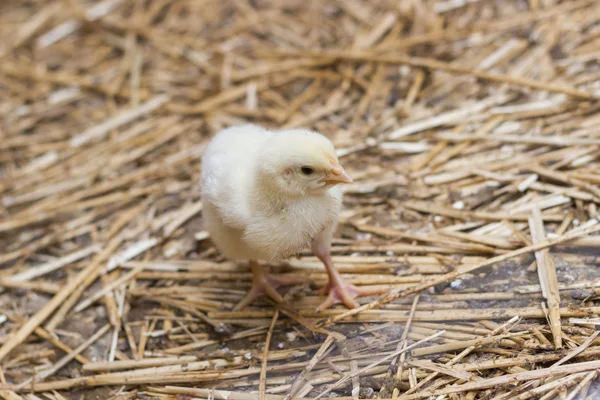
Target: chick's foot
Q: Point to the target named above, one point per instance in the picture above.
(340, 291)
(264, 283)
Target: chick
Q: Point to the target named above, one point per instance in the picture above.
(268, 195)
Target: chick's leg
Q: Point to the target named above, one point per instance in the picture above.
(337, 288)
(264, 283)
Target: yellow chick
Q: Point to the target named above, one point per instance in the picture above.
(268, 195)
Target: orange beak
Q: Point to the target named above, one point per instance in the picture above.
(337, 175)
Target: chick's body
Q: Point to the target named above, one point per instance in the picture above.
(246, 219)
(268, 195)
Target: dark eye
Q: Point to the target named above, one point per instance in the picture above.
(307, 170)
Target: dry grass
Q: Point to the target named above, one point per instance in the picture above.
(470, 127)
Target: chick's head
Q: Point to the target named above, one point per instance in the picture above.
(299, 162)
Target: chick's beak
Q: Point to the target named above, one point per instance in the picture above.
(337, 175)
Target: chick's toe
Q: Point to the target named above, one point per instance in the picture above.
(264, 283)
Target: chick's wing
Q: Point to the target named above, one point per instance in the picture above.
(227, 171)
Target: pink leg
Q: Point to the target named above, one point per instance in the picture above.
(264, 283)
(339, 290)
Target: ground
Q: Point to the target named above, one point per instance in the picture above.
(470, 129)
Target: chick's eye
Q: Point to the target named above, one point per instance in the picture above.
(307, 170)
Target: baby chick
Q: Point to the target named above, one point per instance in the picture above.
(268, 195)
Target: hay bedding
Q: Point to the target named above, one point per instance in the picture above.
(471, 128)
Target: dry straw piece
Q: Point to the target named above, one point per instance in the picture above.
(471, 130)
